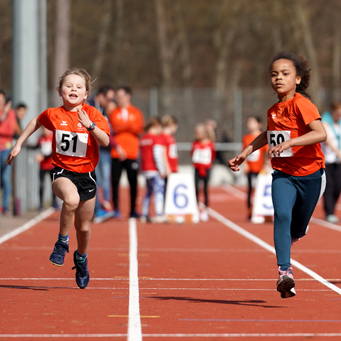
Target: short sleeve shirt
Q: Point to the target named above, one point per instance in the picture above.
(172, 153)
(288, 120)
(73, 147)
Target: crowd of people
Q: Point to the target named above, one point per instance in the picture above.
(137, 147)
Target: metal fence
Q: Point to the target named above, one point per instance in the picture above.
(190, 106)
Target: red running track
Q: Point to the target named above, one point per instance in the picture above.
(204, 281)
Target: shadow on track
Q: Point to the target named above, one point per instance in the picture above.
(29, 287)
(252, 303)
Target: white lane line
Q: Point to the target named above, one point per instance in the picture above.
(242, 195)
(27, 225)
(236, 335)
(271, 249)
(326, 224)
(134, 319)
(235, 192)
(167, 279)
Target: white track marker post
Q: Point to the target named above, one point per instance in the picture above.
(181, 203)
(271, 249)
(262, 202)
(134, 319)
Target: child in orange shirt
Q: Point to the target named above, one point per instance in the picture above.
(294, 133)
(77, 130)
(255, 161)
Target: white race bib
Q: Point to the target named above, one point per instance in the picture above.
(172, 152)
(71, 144)
(202, 156)
(276, 137)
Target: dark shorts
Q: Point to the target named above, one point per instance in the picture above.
(84, 182)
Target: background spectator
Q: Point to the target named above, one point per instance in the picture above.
(127, 123)
(217, 134)
(20, 113)
(45, 160)
(332, 152)
(104, 103)
(7, 129)
(203, 155)
(255, 161)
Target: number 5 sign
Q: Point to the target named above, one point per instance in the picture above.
(181, 204)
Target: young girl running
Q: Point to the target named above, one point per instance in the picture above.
(294, 133)
(77, 129)
(203, 154)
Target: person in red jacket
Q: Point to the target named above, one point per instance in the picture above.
(203, 153)
(153, 167)
(127, 123)
(7, 130)
(46, 165)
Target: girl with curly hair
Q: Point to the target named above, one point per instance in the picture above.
(294, 132)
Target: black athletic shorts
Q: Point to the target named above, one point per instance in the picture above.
(84, 182)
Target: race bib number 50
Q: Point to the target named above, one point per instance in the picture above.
(71, 144)
(277, 137)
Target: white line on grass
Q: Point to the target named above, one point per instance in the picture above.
(271, 249)
(134, 320)
(27, 225)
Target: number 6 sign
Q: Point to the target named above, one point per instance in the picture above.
(180, 198)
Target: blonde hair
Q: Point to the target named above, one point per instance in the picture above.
(79, 72)
(168, 120)
(209, 132)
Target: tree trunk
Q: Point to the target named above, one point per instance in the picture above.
(61, 48)
(336, 62)
(302, 15)
(165, 53)
(102, 38)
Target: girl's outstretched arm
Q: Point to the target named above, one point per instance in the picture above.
(29, 130)
(316, 135)
(259, 142)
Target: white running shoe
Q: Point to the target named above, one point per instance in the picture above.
(204, 215)
(286, 283)
(331, 218)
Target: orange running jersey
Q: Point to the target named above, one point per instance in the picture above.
(255, 161)
(73, 147)
(127, 124)
(288, 120)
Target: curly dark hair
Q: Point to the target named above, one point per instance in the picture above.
(302, 69)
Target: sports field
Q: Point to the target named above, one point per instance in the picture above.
(204, 281)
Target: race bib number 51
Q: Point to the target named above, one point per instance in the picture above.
(71, 144)
(277, 137)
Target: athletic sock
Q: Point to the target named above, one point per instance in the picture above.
(80, 258)
(63, 239)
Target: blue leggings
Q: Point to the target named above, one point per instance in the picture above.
(294, 200)
(156, 185)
